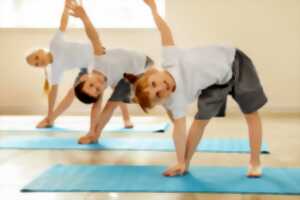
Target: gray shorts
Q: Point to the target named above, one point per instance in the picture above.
(244, 87)
(82, 72)
(122, 92)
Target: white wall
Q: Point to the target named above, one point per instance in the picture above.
(267, 30)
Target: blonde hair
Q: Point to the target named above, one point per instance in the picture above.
(46, 87)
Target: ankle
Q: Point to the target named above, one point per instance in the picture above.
(127, 121)
(93, 135)
(255, 163)
(187, 164)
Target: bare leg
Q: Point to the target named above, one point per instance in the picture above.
(103, 119)
(255, 137)
(195, 134)
(126, 116)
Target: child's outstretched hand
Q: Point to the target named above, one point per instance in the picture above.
(66, 3)
(178, 170)
(76, 9)
(150, 3)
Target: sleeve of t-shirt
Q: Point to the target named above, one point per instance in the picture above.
(58, 38)
(170, 56)
(178, 112)
(176, 107)
(100, 61)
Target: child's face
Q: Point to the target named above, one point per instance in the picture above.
(94, 84)
(160, 87)
(38, 58)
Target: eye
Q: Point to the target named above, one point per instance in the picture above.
(36, 57)
(153, 84)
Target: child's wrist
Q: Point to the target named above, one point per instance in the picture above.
(154, 9)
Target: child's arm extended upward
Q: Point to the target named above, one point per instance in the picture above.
(78, 11)
(163, 27)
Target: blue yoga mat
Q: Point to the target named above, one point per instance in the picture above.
(80, 178)
(49, 143)
(81, 127)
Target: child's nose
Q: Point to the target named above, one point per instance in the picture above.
(162, 87)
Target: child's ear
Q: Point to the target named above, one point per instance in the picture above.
(131, 78)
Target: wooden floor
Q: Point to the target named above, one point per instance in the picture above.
(17, 168)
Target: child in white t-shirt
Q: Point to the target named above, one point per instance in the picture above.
(64, 55)
(208, 74)
(109, 67)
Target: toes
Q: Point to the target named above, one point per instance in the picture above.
(129, 126)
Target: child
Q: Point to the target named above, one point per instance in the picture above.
(109, 67)
(208, 74)
(63, 56)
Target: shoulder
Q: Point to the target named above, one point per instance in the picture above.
(171, 49)
(57, 41)
(171, 54)
(58, 36)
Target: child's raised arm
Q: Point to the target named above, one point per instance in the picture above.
(78, 11)
(163, 27)
(64, 18)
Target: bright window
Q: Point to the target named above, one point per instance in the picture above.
(103, 13)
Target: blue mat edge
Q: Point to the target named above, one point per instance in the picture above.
(85, 148)
(59, 129)
(24, 190)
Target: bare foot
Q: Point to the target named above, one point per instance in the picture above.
(254, 171)
(128, 124)
(177, 170)
(45, 123)
(88, 139)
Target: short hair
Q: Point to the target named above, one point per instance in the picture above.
(83, 96)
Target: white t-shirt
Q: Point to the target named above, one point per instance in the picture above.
(115, 62)
(194, 70)
(68, 55)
